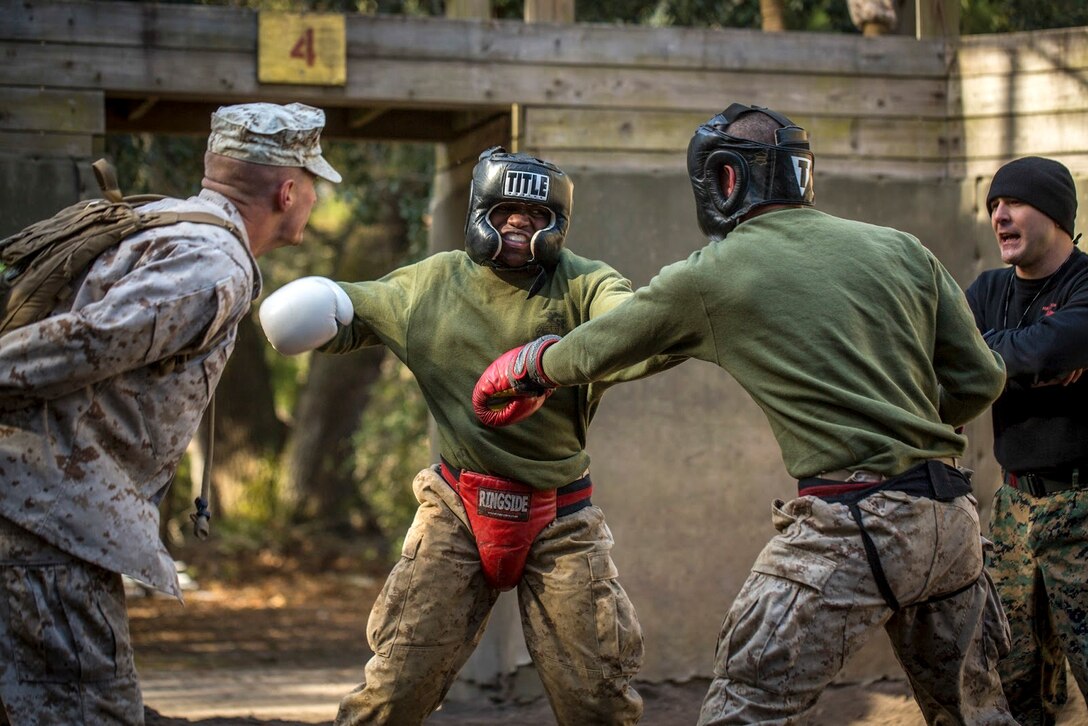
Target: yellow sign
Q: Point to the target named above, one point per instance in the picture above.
(306, 48)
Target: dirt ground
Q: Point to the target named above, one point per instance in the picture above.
(278, 639)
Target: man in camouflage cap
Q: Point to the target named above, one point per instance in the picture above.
(99, 400)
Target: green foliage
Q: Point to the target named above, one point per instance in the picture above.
(978, 16)
(398, 7)
(391, 447)
(257, 509)
(375, 173)
(824, 15)
(327, 6)
(259, 503)
(157, 163)
(1004, 16)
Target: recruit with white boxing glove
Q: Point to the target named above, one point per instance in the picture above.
(305, 314)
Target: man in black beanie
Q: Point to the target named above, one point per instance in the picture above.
(1035, 315)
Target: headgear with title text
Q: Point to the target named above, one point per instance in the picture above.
(765, 174)
(501, 176)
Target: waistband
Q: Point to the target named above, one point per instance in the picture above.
(568, 499)
(935, 479)
(1040, 485)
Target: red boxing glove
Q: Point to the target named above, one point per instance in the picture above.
(514, 386)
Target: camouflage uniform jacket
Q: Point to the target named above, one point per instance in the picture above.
(99, 401)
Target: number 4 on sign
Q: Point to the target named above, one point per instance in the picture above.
(304, 47)
(301, 48)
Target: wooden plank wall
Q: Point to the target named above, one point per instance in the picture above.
(587, 95)
(1020, 94)
(873, 106)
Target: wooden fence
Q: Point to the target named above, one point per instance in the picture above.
(581, 94)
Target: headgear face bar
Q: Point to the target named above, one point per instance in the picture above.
(765, 174)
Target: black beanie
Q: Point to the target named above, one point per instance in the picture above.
(1043, 183)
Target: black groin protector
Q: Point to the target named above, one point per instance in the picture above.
(501, 176)
(779, 174)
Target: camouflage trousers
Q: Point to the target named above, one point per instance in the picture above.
(580, 627)
(65, 654)
(811, 601)
(1039, 567)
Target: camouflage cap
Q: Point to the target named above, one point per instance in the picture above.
(268, 133)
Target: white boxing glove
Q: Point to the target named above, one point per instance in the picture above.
(304, 314)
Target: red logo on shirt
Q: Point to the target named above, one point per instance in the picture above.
(1050, 309)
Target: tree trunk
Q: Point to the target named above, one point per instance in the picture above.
(773, 13)
(319, 457)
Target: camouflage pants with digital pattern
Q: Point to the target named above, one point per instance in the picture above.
(65, 654)
(811, 602)
(580, 627)
(1039, 567)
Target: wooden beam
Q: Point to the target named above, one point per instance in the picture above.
(620, 132)
(51, 110)
(828, 165)
(229, 77)
(1063, 50)
(40, 143)
(143, 27)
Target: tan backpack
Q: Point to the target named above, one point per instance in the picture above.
(39, 265)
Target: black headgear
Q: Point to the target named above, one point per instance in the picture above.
(1045, 184)
(766, 174)
(501, 176)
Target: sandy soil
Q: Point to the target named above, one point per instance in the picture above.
(265, 641)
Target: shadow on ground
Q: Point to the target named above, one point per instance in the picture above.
(278, 640)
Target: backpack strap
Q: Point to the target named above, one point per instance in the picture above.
(163, 219)
(106, 177)
(202, 516)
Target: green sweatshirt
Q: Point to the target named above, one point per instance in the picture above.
(853, 339)
(448, 318)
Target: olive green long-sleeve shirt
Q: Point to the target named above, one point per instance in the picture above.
(854, 340)
(447, 318)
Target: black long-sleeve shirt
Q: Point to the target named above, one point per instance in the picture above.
(1040, 329)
